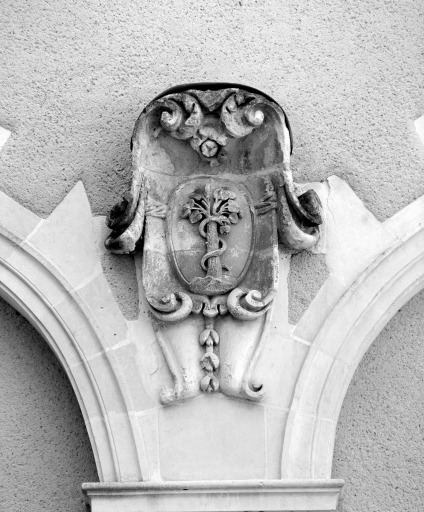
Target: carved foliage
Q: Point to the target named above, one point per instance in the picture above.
(221, 253)
(215, 211)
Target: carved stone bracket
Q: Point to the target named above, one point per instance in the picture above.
(212, 196)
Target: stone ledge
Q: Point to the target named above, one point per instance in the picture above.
(209, 496)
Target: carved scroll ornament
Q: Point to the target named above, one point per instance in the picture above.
(212, 196)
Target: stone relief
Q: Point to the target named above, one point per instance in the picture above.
(212, 197)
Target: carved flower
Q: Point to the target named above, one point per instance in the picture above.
(209, 141)
(213, 130)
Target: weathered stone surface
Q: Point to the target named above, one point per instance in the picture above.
(120, 273)
(222, 440)
(308, 272)
(16, 219)
(353, 238)
(212, 196)
(75, 75)
(341, 338)
(66, 238)
(275, 421)
(232, 496)
(120, 369)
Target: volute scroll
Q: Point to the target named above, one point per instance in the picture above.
(212, 197)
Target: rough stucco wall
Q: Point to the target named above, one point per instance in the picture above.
(44, 446)
(379, 443)
(75, 76)
(308, 273)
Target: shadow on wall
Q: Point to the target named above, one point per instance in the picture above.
(45, 449)
(379, 443)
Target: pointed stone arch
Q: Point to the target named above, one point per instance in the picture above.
(341, 339)
(62, 300)
(50, 271)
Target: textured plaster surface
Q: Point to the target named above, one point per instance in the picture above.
(74, 77)
(308, 273)
(121, 276)
(44, 446)
(379, 443)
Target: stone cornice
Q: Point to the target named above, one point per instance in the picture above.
(234, 496)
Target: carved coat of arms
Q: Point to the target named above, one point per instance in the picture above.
(211, 198)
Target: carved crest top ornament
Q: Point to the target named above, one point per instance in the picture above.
(212, 196)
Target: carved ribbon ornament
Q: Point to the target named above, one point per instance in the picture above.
(212, 196)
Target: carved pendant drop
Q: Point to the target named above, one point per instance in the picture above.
(212, 196)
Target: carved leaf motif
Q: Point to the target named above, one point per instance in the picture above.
(223, 194)
(195, 217)
(204, 336)
(215, 337)
(204, 383)
(209, 337)
(209, 383)
(232, 206)
(196, 197)
(233, 218)
(209, 362)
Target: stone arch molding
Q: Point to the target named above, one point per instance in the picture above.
(343, 331)
(51, 271)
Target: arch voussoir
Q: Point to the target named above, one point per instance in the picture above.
(340, 343)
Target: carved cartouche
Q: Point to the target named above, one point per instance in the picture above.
(212, 196)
